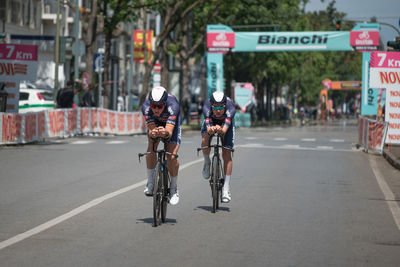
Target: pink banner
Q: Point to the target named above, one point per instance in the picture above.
(18, 52)
(84, 120)
(221, 39)
(41, 125)
(364, 38)
(30, 127)
(72, 120)
(381, 59)
(112, 118)
(121, 123)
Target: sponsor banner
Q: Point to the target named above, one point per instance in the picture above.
(384, 77)
(138, 53)
(364, 40)
(17, 63)
(292, 41)
(346, 85)
(392, 115)
(369, 96)
(215, 72)
(383, 59)
(221, 39)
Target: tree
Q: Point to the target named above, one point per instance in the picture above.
(172, 12)
(88, 19)
(113, 12)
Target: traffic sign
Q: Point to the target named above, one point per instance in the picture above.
(98, 62)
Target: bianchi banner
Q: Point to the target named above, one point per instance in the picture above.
(292, 41)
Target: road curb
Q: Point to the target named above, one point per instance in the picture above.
(391, 159)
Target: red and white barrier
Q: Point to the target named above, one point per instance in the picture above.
(30, 127)
(371, 134)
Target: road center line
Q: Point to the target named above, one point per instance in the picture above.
(78, 210)
(389, 196)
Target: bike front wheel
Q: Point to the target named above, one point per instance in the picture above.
(214, 183)
(157, 195)
(164, 201)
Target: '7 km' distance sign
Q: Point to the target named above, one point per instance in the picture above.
(385, 70)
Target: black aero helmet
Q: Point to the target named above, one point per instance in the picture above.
(218, 97)
(158, 95)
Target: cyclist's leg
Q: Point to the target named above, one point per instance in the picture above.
(229, 139)
(205, 141)
(173, 163)
(151, 160)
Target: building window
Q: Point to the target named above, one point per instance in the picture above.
(35, 20)
(16, 12)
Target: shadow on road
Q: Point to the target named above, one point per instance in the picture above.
(209, 208)
(150, 221)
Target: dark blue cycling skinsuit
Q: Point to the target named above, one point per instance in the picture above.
(227, 119)
(170, 115)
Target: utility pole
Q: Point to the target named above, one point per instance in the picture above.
(76, 52)
(57, 53)
(130, 75)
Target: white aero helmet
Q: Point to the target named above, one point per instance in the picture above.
(158, 95)
(218, 97)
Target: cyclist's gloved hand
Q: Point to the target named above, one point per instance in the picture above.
(162, 132)
(210, 130)
(153, 133)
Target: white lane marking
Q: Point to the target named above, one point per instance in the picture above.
(280, 139)
(308, 139)
(291, 146)
(250, 138)
(78, 210)
(325, 147)
(116, 142)
(251, 145)
(288, 147)
(337, 140)
(81, 142)
(389, 196)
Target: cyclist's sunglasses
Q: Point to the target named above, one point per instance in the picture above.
(218, 107)
(157, 106)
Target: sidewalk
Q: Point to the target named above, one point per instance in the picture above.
(392, 154)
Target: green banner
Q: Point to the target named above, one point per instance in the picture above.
(292, 41)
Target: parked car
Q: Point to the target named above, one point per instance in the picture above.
(34, 100)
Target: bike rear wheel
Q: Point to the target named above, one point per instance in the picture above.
(214, 183)
(157, 195)
(164, 201)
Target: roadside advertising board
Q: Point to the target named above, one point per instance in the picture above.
(138, 51)
(17, 63)
(385, 73)
(244, 95)
(369, 93)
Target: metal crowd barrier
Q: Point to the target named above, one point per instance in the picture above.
(371, 134)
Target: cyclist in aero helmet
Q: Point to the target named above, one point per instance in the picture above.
(162, 113)
(219, 112)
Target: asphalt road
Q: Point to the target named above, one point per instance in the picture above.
(301, 196)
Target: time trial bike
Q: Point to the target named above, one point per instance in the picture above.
(217, 177)
(161, 189)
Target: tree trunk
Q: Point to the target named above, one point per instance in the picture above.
(107, 84)
(269, 96)
(164, 65)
